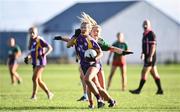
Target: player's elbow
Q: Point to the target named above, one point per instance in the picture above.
(50, 48)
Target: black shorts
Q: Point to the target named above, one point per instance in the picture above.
(85, 68)
(147, 63)
(12, 61)
(34, 66)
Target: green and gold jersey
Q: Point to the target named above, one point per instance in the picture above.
(120, 45)
(103, 44)
(13, 50)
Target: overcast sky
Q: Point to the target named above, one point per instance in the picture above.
(20, 14)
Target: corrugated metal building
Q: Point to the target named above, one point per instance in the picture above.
(21, 40)
(124, 16)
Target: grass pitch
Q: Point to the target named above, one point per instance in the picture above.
(64, 82)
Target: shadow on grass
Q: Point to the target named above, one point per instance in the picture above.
(80, 108)
(40, 108)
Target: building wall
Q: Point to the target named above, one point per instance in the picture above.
(21, 40)
(130, 23)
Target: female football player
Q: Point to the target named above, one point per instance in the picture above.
(39, 49)
(91, 66)
(95, 33)
(13, 54)
(118, 61)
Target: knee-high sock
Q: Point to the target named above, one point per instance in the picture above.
(141, 84)
(158, 83)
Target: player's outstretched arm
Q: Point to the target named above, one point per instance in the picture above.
(126, 52)
(65, 39)
(26, 59)
(71, 42)
(116, 50)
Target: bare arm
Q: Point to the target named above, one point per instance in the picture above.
(116, 50)
(48, 50)
(152, 51)
(99, 54)
(65, 39)
(18, 54)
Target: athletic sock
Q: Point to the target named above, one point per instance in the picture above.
(85, 95)
(90, 102)
(141, 84)
(98, 97)
(158, 83)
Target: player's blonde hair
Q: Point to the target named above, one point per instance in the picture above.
(30, 39)
(87, 19)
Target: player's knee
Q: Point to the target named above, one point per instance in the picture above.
(13, 71)
(39, 80)
(87, 80)
(100, 88)
(144, 78)
(156, 77)
(34, 79)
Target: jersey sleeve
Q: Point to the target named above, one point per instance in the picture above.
(152, 38)
(17, 49)
(103, 44)
(43, 43)
(95, 44)
(114, 44)
(126, 46)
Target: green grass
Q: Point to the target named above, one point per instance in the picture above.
(64, 82)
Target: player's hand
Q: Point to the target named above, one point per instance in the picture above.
(77, 60)
(26, 60)
(126, 52)
(77, 32)
(41, 55)
(57, 38)
(150, 59)
(142, 56)
(108, 62)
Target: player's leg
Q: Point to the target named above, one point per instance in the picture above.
(101, 78)
(123, 69)
(104, 94)
(90, 99)
(11, 74)
(157, 80)
(113, 69)
(15, 74)
(144, 74)
(84, 97)
(35, 82)
(90, 74)
(42, 84)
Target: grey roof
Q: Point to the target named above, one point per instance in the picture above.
(100, 11)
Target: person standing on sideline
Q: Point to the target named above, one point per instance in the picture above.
(149, 57)
(13, 54)
(119, 60)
